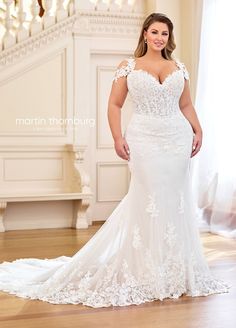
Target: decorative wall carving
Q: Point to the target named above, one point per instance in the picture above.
(108, 24)
(125, 25)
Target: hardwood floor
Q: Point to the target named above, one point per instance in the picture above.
(214, 311)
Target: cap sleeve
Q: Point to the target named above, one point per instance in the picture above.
(124, 69)
(184, 69)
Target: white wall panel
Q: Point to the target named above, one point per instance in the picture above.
(112, 181)
(34, 99)
(33, 169)
(104, 78)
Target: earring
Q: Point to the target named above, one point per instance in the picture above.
(145, 40)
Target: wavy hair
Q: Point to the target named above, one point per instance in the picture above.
(142, 46)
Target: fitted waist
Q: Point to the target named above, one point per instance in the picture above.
(159, 111)
(177, 114)
(148, 125)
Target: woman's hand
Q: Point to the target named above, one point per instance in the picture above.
(122, 148)
(197, 143)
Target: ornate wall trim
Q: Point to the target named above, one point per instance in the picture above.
(108, 24)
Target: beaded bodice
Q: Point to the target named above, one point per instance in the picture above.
(149, 95)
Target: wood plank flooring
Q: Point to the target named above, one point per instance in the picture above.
(214, 311)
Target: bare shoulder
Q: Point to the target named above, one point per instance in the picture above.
(123, 63)
(126, 62)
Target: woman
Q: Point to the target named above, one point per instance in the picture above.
(149, 248)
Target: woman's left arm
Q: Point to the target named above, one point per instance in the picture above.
(189, 112)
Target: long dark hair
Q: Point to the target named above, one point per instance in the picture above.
(142, 46)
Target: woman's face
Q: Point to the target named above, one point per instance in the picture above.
(157, 36)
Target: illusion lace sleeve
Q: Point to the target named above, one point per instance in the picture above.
(184, 69)
(125, 69)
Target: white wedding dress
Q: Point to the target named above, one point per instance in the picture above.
(149, 248)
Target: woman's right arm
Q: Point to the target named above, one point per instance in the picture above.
(116, 100)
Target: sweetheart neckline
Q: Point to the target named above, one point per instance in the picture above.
(152, 76)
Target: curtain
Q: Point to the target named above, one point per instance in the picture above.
(214, 173)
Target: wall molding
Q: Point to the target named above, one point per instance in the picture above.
(99, 70)
(125, 25)
(41, 148)
(101, 165)
(58, 161)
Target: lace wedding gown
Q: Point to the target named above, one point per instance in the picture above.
(149, 248)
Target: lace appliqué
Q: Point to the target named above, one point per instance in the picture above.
(136, 238)
(152, 207)
(152, 98)
(125, 69)
(183, 68)
(181, 203)
(121, 282)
